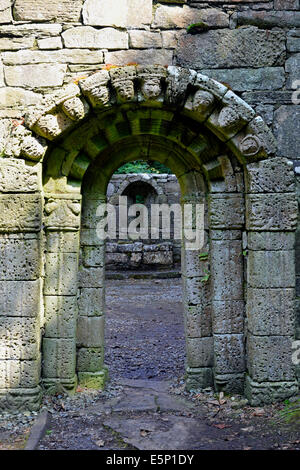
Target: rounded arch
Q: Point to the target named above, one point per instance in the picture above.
(140, 179)
(74, 125)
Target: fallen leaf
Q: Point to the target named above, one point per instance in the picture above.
(221, 426)
(100, 443)
(259, 412)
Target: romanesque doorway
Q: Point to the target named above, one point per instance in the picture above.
(224, 158)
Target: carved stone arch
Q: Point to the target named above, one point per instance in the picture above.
(141, 178)
(216, 144)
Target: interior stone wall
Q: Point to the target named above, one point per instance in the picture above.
(252, 48)
(145, 253)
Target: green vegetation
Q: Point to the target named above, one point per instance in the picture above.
(196, 28)
(141, 166)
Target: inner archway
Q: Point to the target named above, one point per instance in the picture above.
(144, 330)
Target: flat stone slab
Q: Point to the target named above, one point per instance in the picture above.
(172, 433)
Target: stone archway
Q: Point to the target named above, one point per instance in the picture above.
(222, 153)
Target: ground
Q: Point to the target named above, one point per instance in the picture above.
(145, 405)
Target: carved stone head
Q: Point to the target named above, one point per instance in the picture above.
(122, 79)
(151, 87)
(250, 145)
(228, 118)
(151, 80)
(124, 90)
(202, 101)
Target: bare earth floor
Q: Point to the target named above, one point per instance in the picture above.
(145, 405)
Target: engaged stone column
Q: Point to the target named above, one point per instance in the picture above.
(226, 222)
(90, 334)
(271, 209)
(20, 283)
(197, 306)
(62, 222)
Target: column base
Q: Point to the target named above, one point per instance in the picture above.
(52, 386)
(96, 380)
(230, 383)
(269, 392)
(198, 378)
(20, 399)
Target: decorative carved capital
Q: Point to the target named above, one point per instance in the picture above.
(62, 214)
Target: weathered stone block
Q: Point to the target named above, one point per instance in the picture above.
(269, 392)
(87, 37)
(271, 241)
(90, 332)
(5, 11)
(93, 256)
(246, 79)
(225, 235)
(20, 298)
(229, 353)
(271, 269)
(170, 17)
(271, 312)
(195, 290)
(19, 258)
(58, 10)
(91, 277)
(243, 47)
(270, 358)
(228, 316)
(268, 212)
(198, 378)
(19, 374)
(270, 176)
(264, 19)
(145, 57)
(20, 213)
(116, 258)
(286, 130)
(169, 39)
(197, 320)
(90, 359)
(35, 76)
(132, 13)
(60, 316)
(145, 39)
(50, 43)
(89, 218)
(94, 380)
(161, 257)
(61, 274)
(91, 301)
(286, 4)
(199, 352)
(226, 211)
(59, 358)
(230, 383)
(71, 56)
(15, 44)
(21, 399)
(17, 175)
(19, 338)
(227, 270)
(62, 242)
(39, 30)
(194, 262)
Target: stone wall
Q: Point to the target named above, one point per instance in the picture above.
(145, 253)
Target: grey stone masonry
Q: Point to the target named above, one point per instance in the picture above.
(211, 90)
